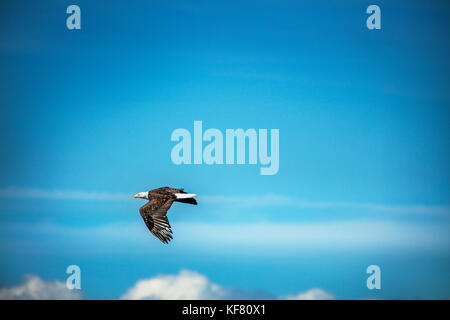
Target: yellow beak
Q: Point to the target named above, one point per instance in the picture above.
(136, 196)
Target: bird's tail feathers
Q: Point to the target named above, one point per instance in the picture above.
(184, 195)
(186, 198)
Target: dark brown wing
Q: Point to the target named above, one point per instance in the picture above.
(154, 215)
(165, 190)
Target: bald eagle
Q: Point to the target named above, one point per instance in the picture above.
(155, 210)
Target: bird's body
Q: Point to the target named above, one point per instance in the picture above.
(154, 212)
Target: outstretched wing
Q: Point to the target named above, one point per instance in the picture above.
(154, 215)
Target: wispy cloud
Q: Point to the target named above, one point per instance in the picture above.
(286, 201)
(14, 192)
(244, 238)
(325, 234)
(267, 200)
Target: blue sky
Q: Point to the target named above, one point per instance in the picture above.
(87, 115)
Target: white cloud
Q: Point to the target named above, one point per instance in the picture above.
(312, 294)
(34, 288)
(187, 285)
(13, 192)
(293, 202)
(190, 285)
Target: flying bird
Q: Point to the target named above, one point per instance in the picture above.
(155, 210)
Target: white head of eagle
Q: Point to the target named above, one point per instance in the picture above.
(142, 195)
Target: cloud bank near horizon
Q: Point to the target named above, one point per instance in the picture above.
(34, 288)
(191, 285)
(186, 285)
(312, 294)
